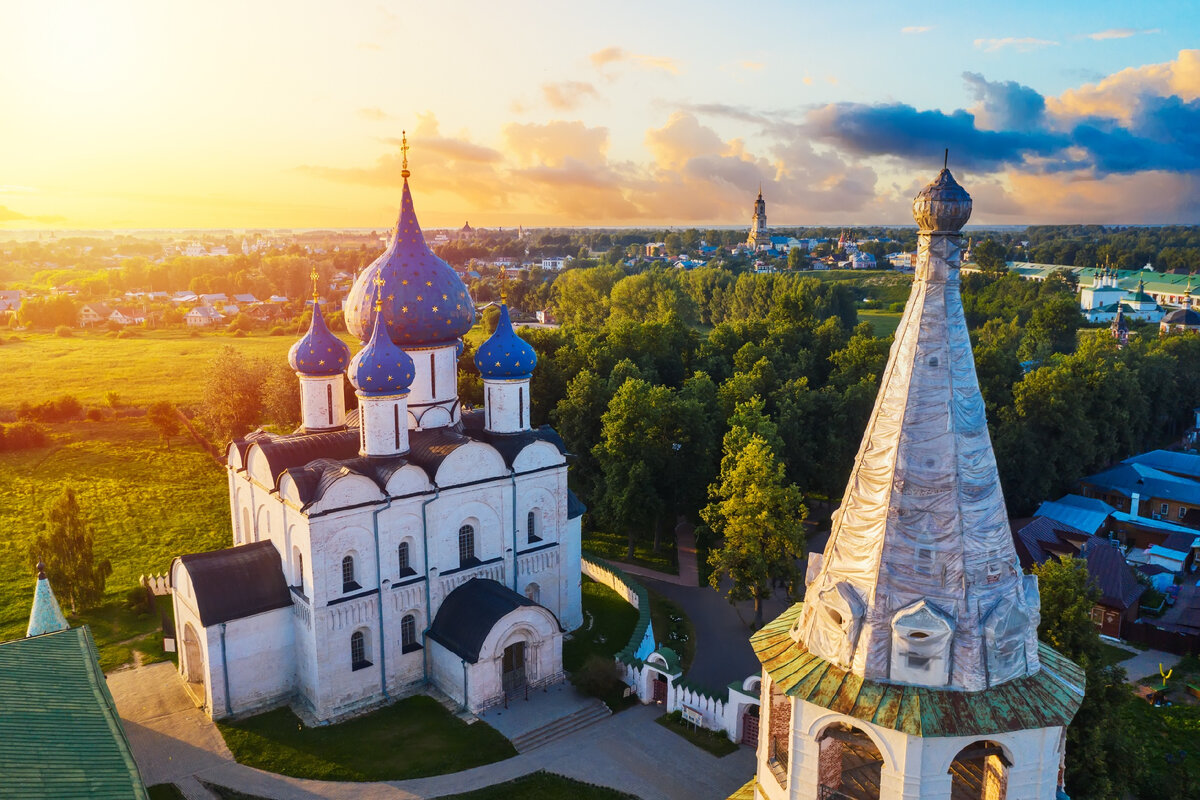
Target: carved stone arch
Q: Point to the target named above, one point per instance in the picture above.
(823, 723)
(850, 761)
(979, 771)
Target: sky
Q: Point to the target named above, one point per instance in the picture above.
(121, 115)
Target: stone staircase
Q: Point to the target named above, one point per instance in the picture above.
(590, 714)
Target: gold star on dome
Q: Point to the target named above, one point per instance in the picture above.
(321, 363)
(389, 377)
(404, 282)
(369, 379)
(435, 309)
(497, 363)
(444, 297)
(419, 298)
(429, 283)
(391, 297)
(404, 309)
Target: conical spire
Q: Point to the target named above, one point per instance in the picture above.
(45, 616)
(920, 582)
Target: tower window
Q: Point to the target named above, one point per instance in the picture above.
(521, 405)
(531, 527)
(405, 567)
(358, 651)
(299, 570)
(408, 634)
(349, 584)
(432, 376)
(329, 401)
(466, 546)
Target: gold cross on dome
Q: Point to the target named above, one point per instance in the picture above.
(314, 275)
(404, 173)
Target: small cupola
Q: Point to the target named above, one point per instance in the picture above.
(45, 616)
(506, 363)
(381, 373)
(319, 359)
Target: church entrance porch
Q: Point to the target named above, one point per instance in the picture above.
(513, 673)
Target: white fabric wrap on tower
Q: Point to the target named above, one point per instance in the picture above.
(921, 542)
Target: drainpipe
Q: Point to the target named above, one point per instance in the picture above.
(466, 704)
(379, 582)
(225, 670)
(437, 491)
(512, 477)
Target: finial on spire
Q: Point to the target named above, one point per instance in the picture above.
(404, 173)
(946, 159)
(503, 285)
(378, 294)
(41, 568)
(315, 275)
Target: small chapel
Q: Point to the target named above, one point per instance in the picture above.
(409, 544)
(912, 670)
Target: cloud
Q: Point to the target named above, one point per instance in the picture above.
(1005, 105)
(753, 66)
(9, 215)
(555, 144)
(1117, 95)
(568, 95)
(374, 114)
(373, 47)
(1022, 44)
(1118, 33)
(617, 55)
(916, 29)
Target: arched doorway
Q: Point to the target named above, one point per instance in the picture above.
(513, 670)
(193, 657)
(979, 772)
(750, 726)
(849, 764)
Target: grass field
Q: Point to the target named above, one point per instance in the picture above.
(542, 786)
(884, 323)
(413, 738)
(608, 623)
(614, 547)
(146, 505)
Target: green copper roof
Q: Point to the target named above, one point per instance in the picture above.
(60, 735)
(45, 616)
(1045, 699)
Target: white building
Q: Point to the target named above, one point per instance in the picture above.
(407, 544)
(202, 317)
(912, 669)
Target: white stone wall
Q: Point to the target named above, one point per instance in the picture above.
(316, 392)
(384, 425)
(506, 405)
(433, 396)
(259, 655)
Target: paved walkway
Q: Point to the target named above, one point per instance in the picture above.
(685, 553)
(1145, 664)
(173, 741)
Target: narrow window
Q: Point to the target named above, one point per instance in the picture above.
(396, 419)
(432, 376)
(531, 527)
(358, 651)
(466, 546)
(329, 401)
(300, 572)
(348, 582)
(408, 634)
(405, 567)
(1164, 509)
(1182, 512)
(521, 405)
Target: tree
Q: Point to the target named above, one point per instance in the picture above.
(1103, 758)
(759, 516)
(989, 255)
(65, 547)
(163, 417)
(233, 391)
(795, 258)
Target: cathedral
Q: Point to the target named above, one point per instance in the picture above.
(410, 544)
(912, 669)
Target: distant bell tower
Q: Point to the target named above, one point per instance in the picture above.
(759, 235)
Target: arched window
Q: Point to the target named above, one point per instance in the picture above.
(329, 401)
(402, 558)
(358, 651)
(408, 634)
(466, 546)
(849, 764)
(534, 592)
(349, 584)
(980, 770)
(531, 527)
(299, 568)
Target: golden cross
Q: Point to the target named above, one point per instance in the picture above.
(378, 293)
(503, 284)
(314, 275)
(404, 173)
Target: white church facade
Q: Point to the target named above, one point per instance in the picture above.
(407, 544)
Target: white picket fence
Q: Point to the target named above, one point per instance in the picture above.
(158, 584)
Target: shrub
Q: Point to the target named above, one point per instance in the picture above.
(112, 399)
(240, 334)
(22, 436)
(94, 415)
(60, 409)
(140, 599)
(597, 676)
(126, 333)
(194, 334)
(64, 331)
(279, 330)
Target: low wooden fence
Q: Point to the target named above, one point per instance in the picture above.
(1144, 633)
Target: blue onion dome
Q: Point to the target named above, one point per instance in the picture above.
(942, 206)
(505, 355)
(381, 368)
(319, 352)
(424, 300)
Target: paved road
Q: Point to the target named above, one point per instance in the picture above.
(174, 742)
(1145, 664)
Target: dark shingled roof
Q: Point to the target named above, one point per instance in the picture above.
(469, 613)
(60, 734)
(1044, 538)
(237, 582)
(510, 444)
(575, 506)
(1115, 579)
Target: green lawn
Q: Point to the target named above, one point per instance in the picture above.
(146, 505)
(413, 738)
(1111, 654)
(611, 622)
(672, 628)
(542, 786)
(715, 742)
(884, 323)
(157, 365)
(615, 547)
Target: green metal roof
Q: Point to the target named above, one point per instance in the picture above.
(1046, 699)
(60, 734)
